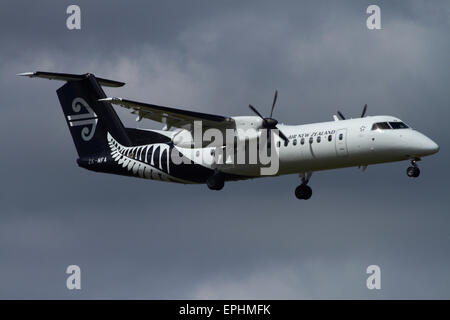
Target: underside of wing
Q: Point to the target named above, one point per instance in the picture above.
(173, 117)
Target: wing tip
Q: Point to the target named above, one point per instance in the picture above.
(110, 99)
(26, 74)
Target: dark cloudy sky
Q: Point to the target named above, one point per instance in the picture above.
(134, 238)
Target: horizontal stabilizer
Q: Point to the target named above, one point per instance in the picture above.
(70, 77)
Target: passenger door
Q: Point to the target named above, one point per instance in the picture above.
(341, 142)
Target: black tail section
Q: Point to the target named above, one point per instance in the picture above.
(90, 120)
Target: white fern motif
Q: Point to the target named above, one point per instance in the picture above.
(136, 159)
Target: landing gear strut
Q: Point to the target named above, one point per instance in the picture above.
(216, 181)
(304, 191)
(414, 170)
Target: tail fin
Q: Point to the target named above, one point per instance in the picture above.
(90, 120)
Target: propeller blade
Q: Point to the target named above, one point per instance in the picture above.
(364, 111)
(282, 135)
(255, 111)
(274, 101)
(341, 115)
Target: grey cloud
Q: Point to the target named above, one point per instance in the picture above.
(141, 239)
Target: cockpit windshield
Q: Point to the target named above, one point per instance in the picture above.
(381, 125)
(398, 125)
(389, 125)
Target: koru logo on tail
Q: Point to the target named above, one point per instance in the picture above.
(88, 119)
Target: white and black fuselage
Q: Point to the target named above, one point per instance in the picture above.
(105, 145)
(311, 147)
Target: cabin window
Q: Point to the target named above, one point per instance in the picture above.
(294, 142)
(302, 141)
(398, 125)
(381, 126)
(319, 139)
(311, 140)
(286, 142)
(330, 137)
(278, 144)
(341, 136)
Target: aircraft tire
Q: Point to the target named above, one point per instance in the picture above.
(215, 182)
(303, 192)
(413, 172)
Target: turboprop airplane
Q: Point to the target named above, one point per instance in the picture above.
(171, 154)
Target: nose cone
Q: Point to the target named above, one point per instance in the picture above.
(431, 147)
(425, 146)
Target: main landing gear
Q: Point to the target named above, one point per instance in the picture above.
(414, 170)
(216, 181)
(304, 191)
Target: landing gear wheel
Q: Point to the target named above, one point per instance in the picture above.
(215, 182)
(413, 172)
(303, 191)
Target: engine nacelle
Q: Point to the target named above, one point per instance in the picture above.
(183, 138)
(246, 128)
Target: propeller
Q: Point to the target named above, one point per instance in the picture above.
(273, 103)
(270, 123)
(363, 114)
(340, 115)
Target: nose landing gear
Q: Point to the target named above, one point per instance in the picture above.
(304, 191)
(413, 171)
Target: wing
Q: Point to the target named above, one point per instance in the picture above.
(173, 117)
